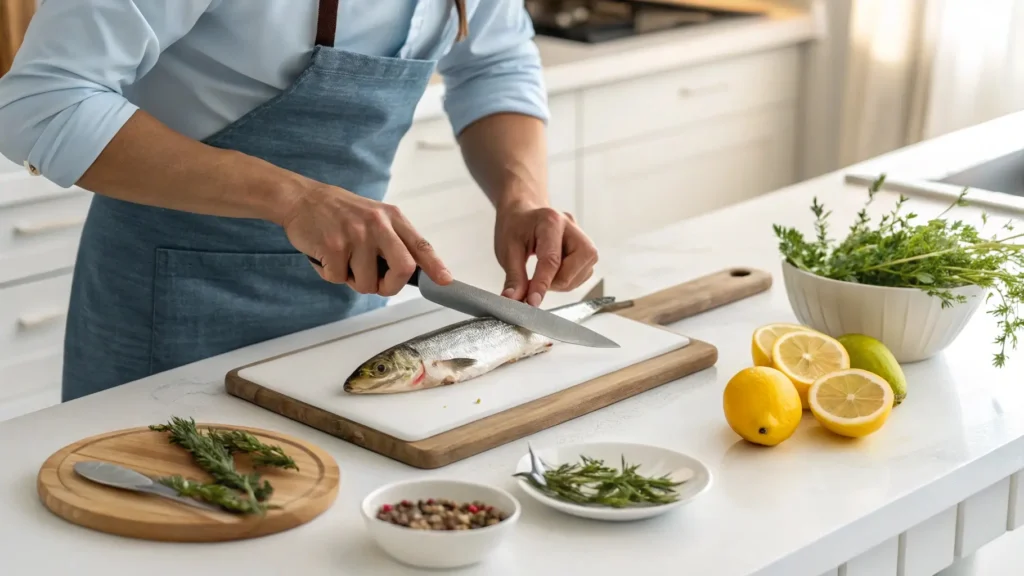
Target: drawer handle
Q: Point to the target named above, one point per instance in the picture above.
(34, 319)
(36, 228)
(436, 145)
(700, 90)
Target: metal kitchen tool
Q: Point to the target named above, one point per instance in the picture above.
(478, 302)
(117, 476)
(537, 467)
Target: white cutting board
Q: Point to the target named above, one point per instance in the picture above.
(316, 375)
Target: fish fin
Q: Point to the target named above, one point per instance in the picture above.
(456, 363)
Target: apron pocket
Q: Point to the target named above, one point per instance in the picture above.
(209, 303)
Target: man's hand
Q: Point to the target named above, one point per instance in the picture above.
(507, 156)
(565, 255)
(343, 230)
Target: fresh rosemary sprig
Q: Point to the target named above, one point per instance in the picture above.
(936, 256)
(214, 453)
(215, 494)
(261, 454)
(591, 482)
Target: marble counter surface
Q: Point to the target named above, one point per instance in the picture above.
(802, 508)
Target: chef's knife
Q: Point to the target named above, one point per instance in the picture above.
(478, 302)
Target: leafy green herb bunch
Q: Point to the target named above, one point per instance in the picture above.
(935, 256)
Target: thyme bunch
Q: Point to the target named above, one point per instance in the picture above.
(214, 452)
(936, 256)
(591, 482)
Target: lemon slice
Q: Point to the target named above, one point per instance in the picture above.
(805, 356)
(851, 402)
(765, 337)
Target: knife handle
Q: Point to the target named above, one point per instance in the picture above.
(382, 269)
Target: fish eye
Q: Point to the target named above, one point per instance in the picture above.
(382, 368)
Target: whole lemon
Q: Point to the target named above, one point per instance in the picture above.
(867, 353)
(762, 405)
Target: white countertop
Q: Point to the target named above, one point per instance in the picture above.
(572, 65)
(800, 508)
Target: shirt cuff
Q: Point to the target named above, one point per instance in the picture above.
(500, 91)
(74, 138)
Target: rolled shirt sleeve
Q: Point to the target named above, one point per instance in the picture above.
(497, 68)
(62, 101)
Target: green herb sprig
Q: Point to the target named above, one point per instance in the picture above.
(591, 482)
(936, 256)
(214, 452)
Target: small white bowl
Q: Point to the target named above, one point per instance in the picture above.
(911, 324)
(652, 461)
(439, 548)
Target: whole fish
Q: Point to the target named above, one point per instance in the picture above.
(458, 352)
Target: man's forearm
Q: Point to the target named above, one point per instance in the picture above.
(148, 163)
(507, 156)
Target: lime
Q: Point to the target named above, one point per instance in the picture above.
(867, 353)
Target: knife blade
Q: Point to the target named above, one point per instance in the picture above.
(478, 302)
(117, 476)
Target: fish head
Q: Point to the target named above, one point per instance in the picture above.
(394, 370)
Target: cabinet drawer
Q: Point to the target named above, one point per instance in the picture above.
(654, 103)
(32, 316)
(21, 187)
(429, 155)
(38, 374)
(30, 225)
(644, 185)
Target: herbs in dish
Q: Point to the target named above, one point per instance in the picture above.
(591, 482)
(936, 256)
(457, 353)
(441, 514)
(214, 451)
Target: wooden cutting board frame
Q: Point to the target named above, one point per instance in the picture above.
(300, 496)
(664, 307)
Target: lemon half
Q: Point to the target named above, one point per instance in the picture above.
(765, 337)
(805, 356)
(851, 402)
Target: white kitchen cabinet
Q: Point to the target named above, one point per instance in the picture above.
(32, 316)
(1015, 518)
(30, 379)
(928, 547)
(645, 184)
(982, 518)
(878, 561)
(663, 102)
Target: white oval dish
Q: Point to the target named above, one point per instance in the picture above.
(439, 548)
(652, 461)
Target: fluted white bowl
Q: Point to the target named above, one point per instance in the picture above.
(912, 324)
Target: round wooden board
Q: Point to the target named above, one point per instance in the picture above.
(302, 495)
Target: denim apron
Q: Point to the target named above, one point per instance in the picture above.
(154, 289)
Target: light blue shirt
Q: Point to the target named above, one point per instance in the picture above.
(197, 65)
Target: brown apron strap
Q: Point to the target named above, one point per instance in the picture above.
(326, 22)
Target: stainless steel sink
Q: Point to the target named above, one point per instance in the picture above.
(1003, 174)
(994, 184)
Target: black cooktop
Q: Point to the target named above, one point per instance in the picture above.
(593, 21)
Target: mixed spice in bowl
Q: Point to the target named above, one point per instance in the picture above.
(439, 523)
(441, 514)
